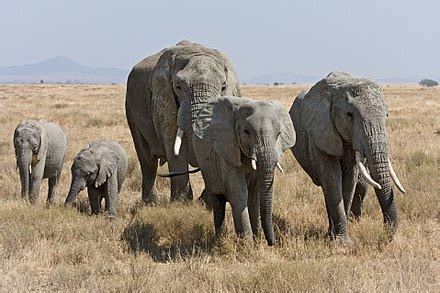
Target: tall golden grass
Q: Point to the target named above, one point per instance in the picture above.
(172, 246)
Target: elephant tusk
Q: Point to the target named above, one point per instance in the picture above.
(395, 179)
(30, 169)
(279, 168)
(178, 141)
(364, 172)
(254, 164)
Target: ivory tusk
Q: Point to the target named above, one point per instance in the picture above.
(30, 169)
(395, 179)
(364, 172)
(279, 168)
(254, 164)
(178, 141)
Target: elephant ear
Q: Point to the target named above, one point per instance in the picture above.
(108, 165)
(163, 96)
(316, 118)
(233, 86)
(216, 125)
(287, 138)
(42, 149)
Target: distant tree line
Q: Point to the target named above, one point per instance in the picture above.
(428, 82)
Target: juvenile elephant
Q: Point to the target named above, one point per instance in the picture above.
(100, 166)
(238, 142)
(165, 92)
(40, 149)
(340, 122)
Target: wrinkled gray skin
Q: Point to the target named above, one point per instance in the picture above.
(100, 166)
(336, 117)
(228, 133)
(40, 149)
(164, 91)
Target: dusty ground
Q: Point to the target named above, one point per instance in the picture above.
(171, 246)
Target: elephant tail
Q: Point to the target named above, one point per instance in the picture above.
(173, 174)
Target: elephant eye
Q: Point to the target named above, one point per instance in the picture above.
(350, 114)
(224, 86)
(247, 132)
(178, 87)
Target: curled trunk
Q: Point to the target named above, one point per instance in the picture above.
(75, 187)
(377, 158)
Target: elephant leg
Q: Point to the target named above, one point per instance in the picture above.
(95, 197)
(180, 187)
(53, 184)
(111, 196)
(148, 167)
(238, 197)
(330, 174)
(35, 181)
(349, 180)
(219, 208)
(207, 199)
(358, 198)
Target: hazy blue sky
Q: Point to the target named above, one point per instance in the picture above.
(388, 38)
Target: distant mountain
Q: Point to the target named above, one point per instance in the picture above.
(61, 70)
(287, 78)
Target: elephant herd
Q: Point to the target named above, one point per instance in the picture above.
(184, 107)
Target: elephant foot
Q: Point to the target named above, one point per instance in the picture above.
(343, 240)
(33, 200)
(150, 198)
(183, 196)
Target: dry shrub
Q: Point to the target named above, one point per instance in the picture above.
(169, 231)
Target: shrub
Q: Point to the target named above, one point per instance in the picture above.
(428, 82)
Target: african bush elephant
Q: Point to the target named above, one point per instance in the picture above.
(100, 166)
(339, 122)
(40, 149)
(164, 94)
(238, 142)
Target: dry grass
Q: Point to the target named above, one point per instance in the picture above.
(172, 247)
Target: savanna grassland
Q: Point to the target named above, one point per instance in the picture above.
(172, 246)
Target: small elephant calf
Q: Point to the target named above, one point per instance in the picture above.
(100, 166)
(40, 149)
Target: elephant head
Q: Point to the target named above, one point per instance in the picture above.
(30, 143)
(256, 133)
(188, 76)
(93, 165)
(345, 111)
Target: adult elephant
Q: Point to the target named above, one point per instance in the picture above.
(238, 143)
(165, 92)
(340, 122)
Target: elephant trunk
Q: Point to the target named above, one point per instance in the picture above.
(378, 163)
(199, 96)
(24, 165)
(75, 187)
(266, 163)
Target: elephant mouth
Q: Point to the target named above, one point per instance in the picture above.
(363, 171)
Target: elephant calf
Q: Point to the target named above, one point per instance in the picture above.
(100, 166)
(40, 149)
